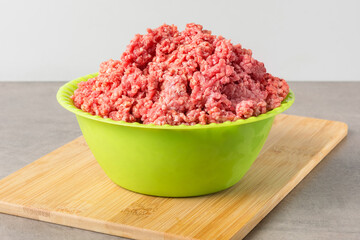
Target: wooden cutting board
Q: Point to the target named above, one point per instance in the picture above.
(68, 187)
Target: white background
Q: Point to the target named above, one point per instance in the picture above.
(60, 40)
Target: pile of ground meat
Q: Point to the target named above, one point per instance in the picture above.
(188, 77)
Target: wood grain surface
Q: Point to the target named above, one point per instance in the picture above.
(68, 187)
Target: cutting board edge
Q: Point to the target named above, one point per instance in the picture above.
(81, 222)
(40, 158)
(260, 215)
(314, 118)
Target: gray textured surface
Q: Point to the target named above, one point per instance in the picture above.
(325, 205)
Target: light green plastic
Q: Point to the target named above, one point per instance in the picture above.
(172, 161)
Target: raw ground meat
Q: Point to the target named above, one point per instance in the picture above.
(188, 77)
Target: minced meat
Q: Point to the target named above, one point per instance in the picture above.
(188, 77)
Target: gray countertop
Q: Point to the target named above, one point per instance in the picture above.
(325, 205)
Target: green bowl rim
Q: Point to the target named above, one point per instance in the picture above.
(66, 91)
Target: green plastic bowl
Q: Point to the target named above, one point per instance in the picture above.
(172, 161)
